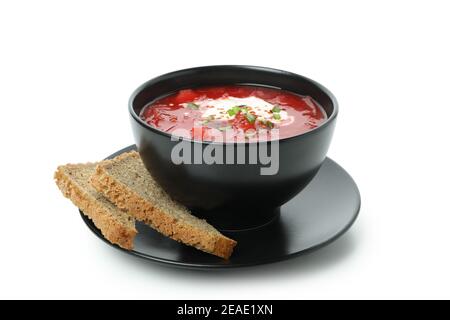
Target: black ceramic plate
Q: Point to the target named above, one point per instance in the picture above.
(321, 213)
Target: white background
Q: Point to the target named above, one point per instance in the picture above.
(67, 69)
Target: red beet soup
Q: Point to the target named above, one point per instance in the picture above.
(234, 113)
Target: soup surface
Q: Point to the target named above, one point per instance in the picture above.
(234, 113)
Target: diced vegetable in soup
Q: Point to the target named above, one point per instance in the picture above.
(234, 113)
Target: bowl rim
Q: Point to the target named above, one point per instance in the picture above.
(143, 86)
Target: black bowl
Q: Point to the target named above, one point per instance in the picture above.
(233, 196)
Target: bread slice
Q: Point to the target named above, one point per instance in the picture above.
(116, 225)
(126, 183)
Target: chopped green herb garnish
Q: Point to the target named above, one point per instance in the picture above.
(276, 116)
(250, 117)
(233, 111)
(236, 109)
(267, 123)
(276, 109)
(193, 106)
(243, 108)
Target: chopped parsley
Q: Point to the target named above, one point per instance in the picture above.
(276, 116)
(250, 117)
(243, 108)
(267, 123)
(234, 111)
(276, 109)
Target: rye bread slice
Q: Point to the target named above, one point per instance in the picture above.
(116, 225)
(126, 183)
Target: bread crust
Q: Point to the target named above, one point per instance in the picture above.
(111, 228)
(143, 210)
